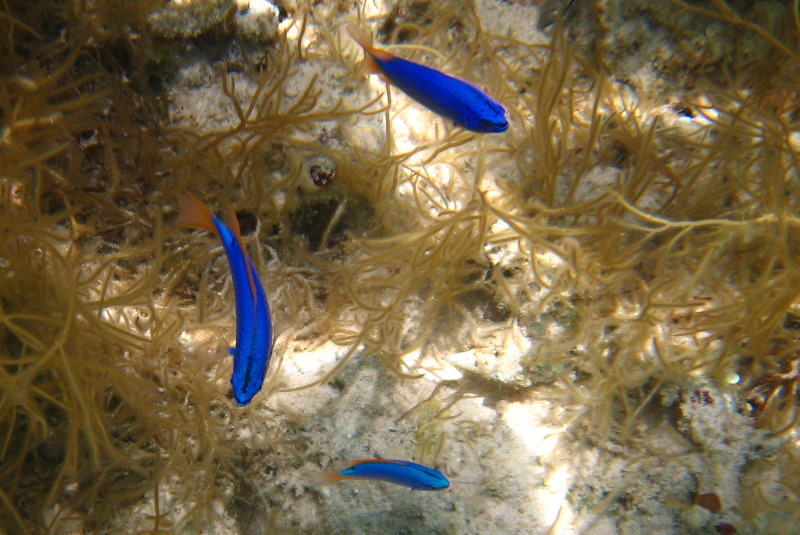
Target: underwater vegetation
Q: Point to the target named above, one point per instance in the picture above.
(67, 402)
(614, 251)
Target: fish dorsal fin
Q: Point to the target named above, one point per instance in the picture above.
(233, 221)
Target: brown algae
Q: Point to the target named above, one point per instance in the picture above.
(613, 250)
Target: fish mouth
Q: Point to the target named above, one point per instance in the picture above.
(243, 398)
(493, 126)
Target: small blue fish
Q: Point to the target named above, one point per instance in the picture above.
(404, 473)
(253, 324)
(465, 104)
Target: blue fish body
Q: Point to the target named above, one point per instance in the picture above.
(253, 324)
(455, 99)
(465, 104)
(406, 473)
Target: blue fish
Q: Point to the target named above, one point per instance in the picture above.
(253, 324)
(455, 99)
(405, 473)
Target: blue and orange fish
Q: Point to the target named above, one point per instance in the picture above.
(253, 323)
(406, 473)
(455, 99)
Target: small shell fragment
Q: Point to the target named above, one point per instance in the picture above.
(320, 170)
(709, 501)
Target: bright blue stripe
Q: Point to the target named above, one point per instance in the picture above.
(253, 324)
(449, 97)
(406, 473)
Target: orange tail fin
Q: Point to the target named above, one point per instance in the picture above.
(194, 213)
(364, 39)
(360, 35)
(322, 479)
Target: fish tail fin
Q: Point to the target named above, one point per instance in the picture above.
(194, 213)
(371, 66)
(361, 36)
(323, 479)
